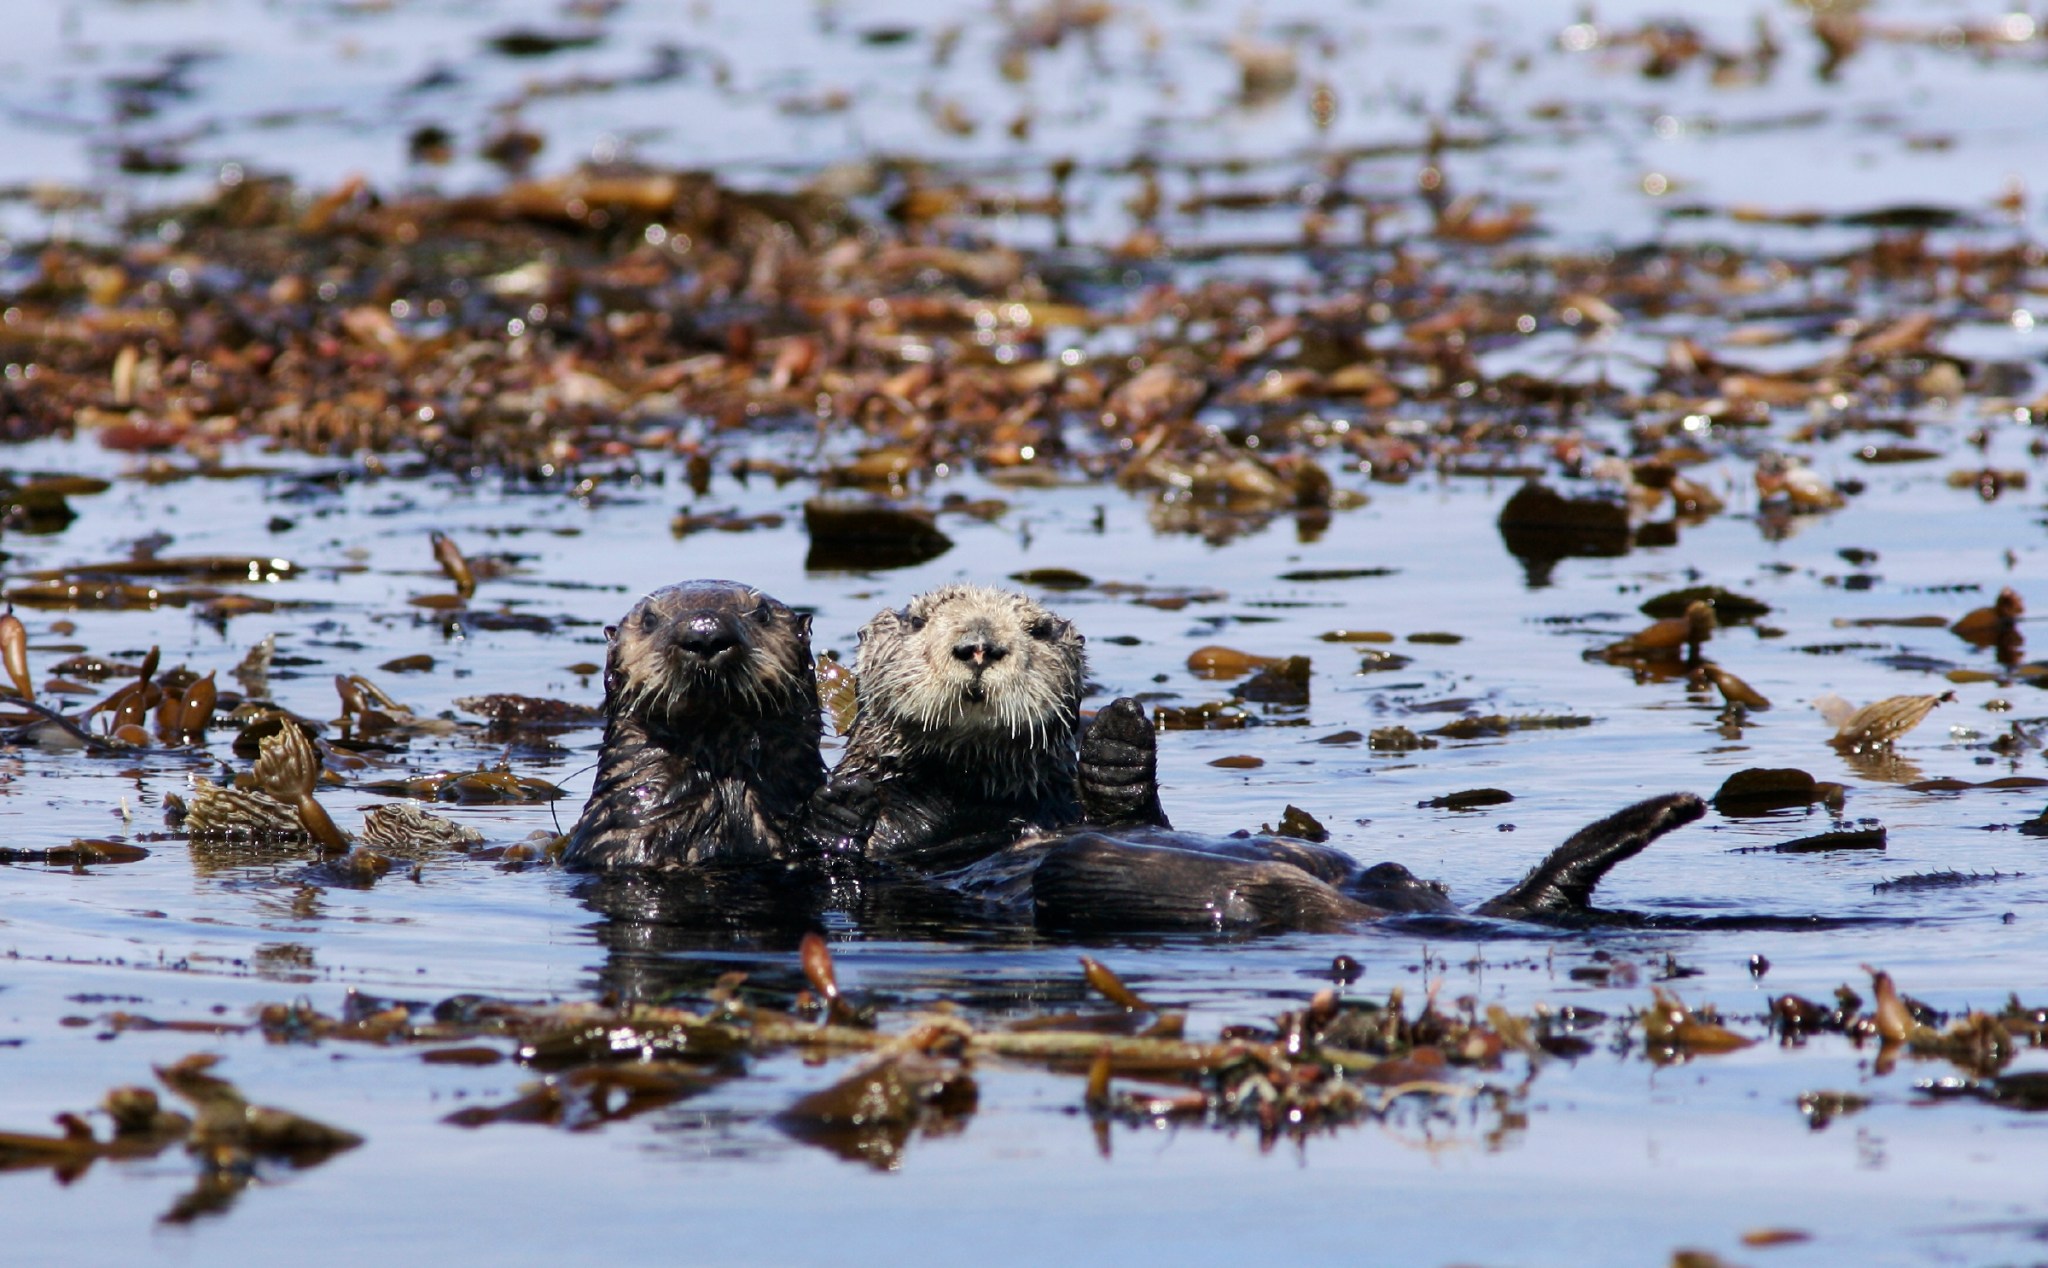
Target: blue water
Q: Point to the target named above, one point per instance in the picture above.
(1617, 1161)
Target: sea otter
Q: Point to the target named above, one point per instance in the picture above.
(965, 764)
(963, 738)
(710, 748)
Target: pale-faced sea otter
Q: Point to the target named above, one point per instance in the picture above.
(968, 698)
(965, 764)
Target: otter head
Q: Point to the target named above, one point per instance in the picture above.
(703, 654)
(965, 668)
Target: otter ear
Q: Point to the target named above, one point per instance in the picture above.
(614, 677)
(611, 633)
(803, 625)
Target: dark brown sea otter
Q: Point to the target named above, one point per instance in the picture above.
(965, 764)
(710, 746)
(964, 736)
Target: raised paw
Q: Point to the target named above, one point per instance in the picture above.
(1119, 771)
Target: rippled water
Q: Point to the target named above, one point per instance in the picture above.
(1617, 1162)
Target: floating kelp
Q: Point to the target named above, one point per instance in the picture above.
(227, 1136)
(400, 829)
(1469, 799)
(1378, 660)
(1282, 683)
(837, 693)
(530, 711)
(1674, 1032)
(80, 853)
(1227, 662)
(42, 505)
(1397, 739)
(1669, 638)
(1538, 523)
(475, 787)
(1486, 726)
(1987, 626)
(1875, 726)
(1959, 785)
(855, 535)
(1216, 716)
(2024, 1091)
(1299, 824)
(1944, 879)
(1860, 838)
(1728, 606)
(1737, 693)
(1761, 790)
(249, 568)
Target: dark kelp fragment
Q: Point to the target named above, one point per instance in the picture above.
(530, 711)
(1735, 692)
(1299, 824)
(1397, 739)
(230, 1137)
(869, 1115)
(1484, 726)
(1674, 1032)
(469, 788)
(1469, 799)
(1760, 790)
(852, 535)
(80, 853)
(1215, 662)
(2027, 1090)
(1669, 638)
(1862, 838)
(1944, 879)
(1542, 524)
(1283, 684)
(589, 1097)
(1729, 607)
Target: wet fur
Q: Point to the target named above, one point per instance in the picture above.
(964, 750)
(704, 758)
(1127, 869)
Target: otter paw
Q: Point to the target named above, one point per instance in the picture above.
(840, 816)
(1119, 768)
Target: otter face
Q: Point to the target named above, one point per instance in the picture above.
(707, 650)
(969, 663)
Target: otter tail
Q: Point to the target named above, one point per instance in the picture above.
(1119, 773)
(1559, 890)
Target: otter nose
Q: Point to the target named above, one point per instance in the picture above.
(706, 634)
(979, 651)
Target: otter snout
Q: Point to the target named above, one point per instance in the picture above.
(706, 635)
(979, 650)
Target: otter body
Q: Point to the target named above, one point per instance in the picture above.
(710, 748)
(1125, 868)
(969, 768)
(964, 737)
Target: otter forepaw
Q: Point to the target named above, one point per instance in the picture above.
(1119, 771)
(840, 817)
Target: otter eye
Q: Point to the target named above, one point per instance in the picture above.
(916, 624)
(1043, 629)
(649, 618)
(764, 614)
